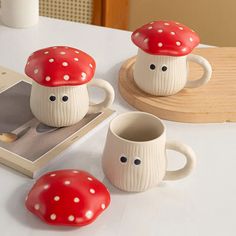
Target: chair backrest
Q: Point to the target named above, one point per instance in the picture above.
(73, 10)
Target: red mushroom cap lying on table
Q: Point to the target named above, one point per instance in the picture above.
(168, 38)
(68, 197)
(60, 66)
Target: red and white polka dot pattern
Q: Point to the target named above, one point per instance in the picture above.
(168, 38)
(60, 66)
(68, 197)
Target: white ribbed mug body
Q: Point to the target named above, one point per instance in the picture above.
(142, 142)
(59, 113)
(160, 75)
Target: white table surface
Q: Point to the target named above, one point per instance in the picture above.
(202, 204)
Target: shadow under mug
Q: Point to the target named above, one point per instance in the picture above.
(134, 157)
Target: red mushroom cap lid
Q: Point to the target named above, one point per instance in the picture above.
(168, 38)
(68, 197)
(60, 66)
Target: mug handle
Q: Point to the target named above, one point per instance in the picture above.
(190, 160)
(109, 98)
(207, 71)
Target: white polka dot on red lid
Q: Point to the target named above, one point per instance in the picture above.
(46, 186)
(103, 206)
(150, 27)
(52, 175)
(89, 214)
(36, 71)
(46, 52)
(151, 22)
(66, 77)
(76, 199)
(76, 59)
(36, 206)
(54, 47)
(166, 23)
(91, 190)
(65, 63)
(75, 171)
(178, 43)
(137, 34)
(91, 65)
(56, 198)
(184, 49)
(160, 30)
(90, 179)
(83, 74)
(191, 39)
(62, 53)
(67, 182)
(181, 28)
(77, 52)
(26, 198)
(160, 44)
(146, 40)
(53, 216)
(172, 33)
(71, 218)
(47, 78)
(51, 60)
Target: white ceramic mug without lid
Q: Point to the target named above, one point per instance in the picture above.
(134, 157)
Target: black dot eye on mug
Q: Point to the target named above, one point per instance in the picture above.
(137, 162)
(65, 98)
(152, 67)
(164, 68)
(123, 159)
(52, 98)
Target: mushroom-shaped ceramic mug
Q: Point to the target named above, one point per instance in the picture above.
(59, 95)
(161, 67)
(134, 157)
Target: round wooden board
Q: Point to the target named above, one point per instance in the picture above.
(213, 102)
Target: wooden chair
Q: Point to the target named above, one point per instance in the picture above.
(72, 10)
